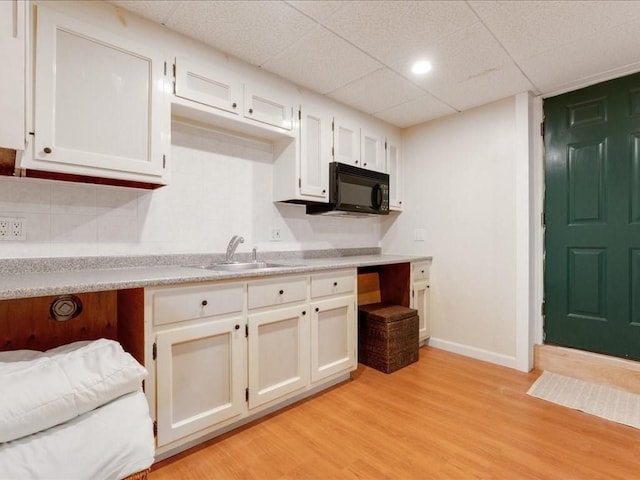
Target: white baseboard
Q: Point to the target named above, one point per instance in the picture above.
(473, 352)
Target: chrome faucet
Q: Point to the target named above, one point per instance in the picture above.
(231, 248)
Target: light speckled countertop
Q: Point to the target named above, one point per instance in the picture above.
(33, 278)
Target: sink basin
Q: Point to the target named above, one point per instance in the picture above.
(238, 266)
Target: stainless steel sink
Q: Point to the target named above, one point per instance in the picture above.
(238, 266)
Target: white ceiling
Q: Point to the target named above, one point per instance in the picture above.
(360, 52)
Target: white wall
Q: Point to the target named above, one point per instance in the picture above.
(460, 188)
(221, 185)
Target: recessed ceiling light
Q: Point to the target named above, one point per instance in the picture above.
(421, 67)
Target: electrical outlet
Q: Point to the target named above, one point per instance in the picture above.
(275, 235)
(13, 228)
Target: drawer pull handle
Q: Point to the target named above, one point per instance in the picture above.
(421, 271)
(251, 110)
(304, 312)
(204, 303)
(335, 284)
(317, 309)
(47, 150)
(237, 327)
(281, 292)
(234, 105)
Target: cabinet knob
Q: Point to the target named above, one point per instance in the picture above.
(47, 150)
(356, 162)
(251, 110)
(421, 271)
(335, 284)
(281, 292)
(324, 191)
(237, 327)
(304, 312)
(234, 105)
(204, 303)
(317, 309)
(365, 164)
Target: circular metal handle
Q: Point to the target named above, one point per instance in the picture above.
(204, 303)
(317, 309)
(47, 150)
(356, 161)
(324, 191)
(421, 271)
(400, 202)
(237, 327)
(251, 110)
(365, 164)
(335, 284)
(234, 105)
(304, 312)
(281, 292)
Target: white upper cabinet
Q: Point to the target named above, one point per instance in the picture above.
(212, 90)
(12, 81)
(372, 154)
(101, 106)
(396, 173)
(359, 144)
(208, 84)
(346, 141)
(266, 104)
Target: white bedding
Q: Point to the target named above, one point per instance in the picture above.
(108, 443)
(39, 390)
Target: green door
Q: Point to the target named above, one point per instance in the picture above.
(592, 210)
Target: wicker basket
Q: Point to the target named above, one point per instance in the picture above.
(387, 336)
(139, 475)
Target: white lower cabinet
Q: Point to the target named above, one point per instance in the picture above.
(222, 352)
(278, 353)
(334, 330)
(421, 298)
(200, 378)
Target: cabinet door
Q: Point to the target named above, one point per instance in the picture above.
(267, 105)
(334, 329)
(421, 302)
(12, 80)
(278, 353)
(200, 377)
(315, 145)
(396, 174)
(207, 84)
(346, 142)
(372, 151)
(100, 103)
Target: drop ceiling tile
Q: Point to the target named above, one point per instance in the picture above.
(466, 54)
(322, 62)
(253, 31)
(149, 9)
(391, 29)
(485, 87)
(317, 9)
(415, 111)
(377, 91)
(528, 28)
(604, 56)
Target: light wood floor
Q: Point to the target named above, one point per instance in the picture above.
(445, 417)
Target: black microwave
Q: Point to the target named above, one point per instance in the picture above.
(354, 191)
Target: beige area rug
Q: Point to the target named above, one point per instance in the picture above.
(603, 401)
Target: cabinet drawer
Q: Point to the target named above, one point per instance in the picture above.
(179, 304)
(420, 271)
(277, 291)
(332, 283)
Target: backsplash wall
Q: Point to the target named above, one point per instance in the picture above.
(221, 185)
